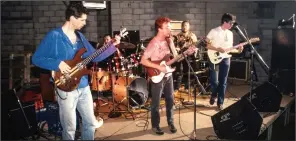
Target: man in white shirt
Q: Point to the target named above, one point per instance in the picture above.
(221, 39)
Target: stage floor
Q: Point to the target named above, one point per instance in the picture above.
(125, 128)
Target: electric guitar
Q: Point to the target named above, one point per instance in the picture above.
(156, 75)
(70, 81)
(216, 56)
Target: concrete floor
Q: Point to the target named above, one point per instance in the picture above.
(125, 128)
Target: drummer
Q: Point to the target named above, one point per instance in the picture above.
(104, 64)
(107, 39)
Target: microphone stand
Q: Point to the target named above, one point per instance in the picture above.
(188, 102)
(141, 46)
(194, 91)
(259, 58)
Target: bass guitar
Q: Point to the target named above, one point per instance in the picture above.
(216, 56)
(70, 81)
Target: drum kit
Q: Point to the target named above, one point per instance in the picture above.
(123, 76)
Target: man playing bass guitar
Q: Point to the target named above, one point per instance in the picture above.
(62, 44)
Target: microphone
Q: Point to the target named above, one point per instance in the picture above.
(235, 24)
(237, 29)
(142, 45)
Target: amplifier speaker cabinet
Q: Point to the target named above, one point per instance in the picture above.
(239, 69)
(266, 97)
(239, 121)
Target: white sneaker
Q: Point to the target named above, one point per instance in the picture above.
(99, 122)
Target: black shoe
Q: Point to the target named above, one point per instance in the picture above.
(158, 131)
(212, 100)
(220, 107)
(172, 128)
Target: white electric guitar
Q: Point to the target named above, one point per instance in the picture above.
(216, 56)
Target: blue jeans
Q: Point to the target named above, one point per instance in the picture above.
(156, 89)
(81, 99)
(218, 79)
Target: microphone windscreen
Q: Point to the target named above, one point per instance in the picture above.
(235, 25)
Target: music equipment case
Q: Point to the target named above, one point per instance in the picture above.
(239, 69)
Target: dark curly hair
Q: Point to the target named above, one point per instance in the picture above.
(227, 17)
(75, 9)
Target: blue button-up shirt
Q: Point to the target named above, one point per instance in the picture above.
(57, 47)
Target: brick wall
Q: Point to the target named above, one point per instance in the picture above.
(24, 24)
(258, 18)
(136, 15)
(29, 21)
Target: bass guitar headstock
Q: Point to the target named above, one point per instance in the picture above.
(122, 32)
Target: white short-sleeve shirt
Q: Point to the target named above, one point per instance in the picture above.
(221, 38)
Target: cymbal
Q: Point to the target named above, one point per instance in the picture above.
(126, 45)
(145, 42)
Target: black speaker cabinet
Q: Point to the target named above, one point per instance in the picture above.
(266, 97)
(13, 119)
(283, 49)
(239, 69)
(285, 81)
(282, 70)
(18, 122)
(239, 121)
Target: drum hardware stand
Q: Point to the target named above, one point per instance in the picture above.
(101, 99)
(188, 102)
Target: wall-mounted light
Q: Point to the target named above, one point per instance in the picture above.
(94, 4)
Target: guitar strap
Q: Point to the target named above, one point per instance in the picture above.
(171, 47)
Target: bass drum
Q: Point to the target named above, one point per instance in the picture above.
(134, 87)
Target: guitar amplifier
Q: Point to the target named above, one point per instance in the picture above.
(239, 69)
